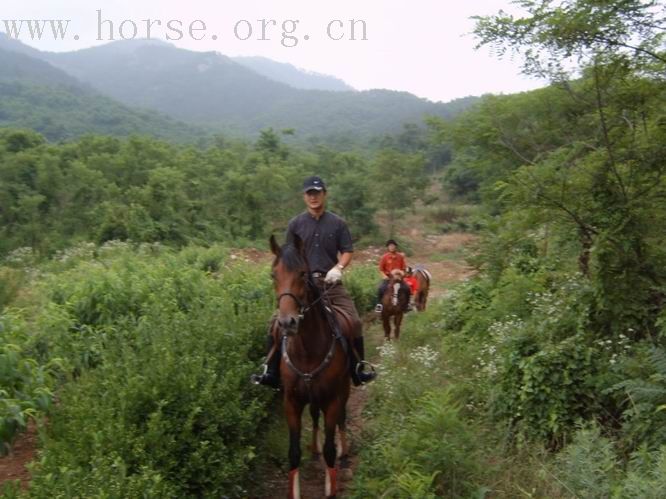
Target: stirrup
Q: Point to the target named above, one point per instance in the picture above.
(255, 379)
(360, 372)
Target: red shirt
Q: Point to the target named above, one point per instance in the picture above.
(391, 261)
(413, 283)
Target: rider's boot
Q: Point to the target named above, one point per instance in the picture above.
(408, 304)
(271, 375)
(358, 374)
(379, 307)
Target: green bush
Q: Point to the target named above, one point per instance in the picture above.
(545, 389)
(587, 465)
(11, 282)
(590, 467)
(644, 401)
(537, 365)
(26, 387)
(161, 348)
(418, 444)
(361, 283)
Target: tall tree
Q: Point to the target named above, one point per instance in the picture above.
(603, 176)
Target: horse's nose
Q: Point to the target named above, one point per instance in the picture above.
(288, 323)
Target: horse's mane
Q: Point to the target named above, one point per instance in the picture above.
(291, 257)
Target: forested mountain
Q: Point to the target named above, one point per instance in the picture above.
(293, 76)
(208, 88)
(36, 95)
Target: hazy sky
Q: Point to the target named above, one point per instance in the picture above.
(422, 46)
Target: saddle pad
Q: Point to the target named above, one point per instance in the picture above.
(424, 271)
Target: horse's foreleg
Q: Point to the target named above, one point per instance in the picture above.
(331, 418)
(398, 322)
(344, 443)
(294, 410)
(386, 322)
(315, 447)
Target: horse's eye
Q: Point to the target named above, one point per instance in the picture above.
(273, 276)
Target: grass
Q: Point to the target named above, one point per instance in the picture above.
(457, 255)
(426, 435)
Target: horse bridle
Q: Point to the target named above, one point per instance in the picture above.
(307, 377)
(302, 308)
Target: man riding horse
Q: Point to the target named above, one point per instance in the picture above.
(329, 250)
(390, 261)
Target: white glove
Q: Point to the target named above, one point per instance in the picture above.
(334, 275)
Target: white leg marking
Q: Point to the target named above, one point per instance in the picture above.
(328, 484)
(297, 486)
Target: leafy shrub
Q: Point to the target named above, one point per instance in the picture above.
(644, 400)
(418, 444)
(161, 350)
(546, 389)
(361, 283)
(538, 366)
(428, 451)
(26, 388)
(645, 477)
(590, 467)
(586, 466)
(11, 281)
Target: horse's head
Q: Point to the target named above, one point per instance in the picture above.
(397, 275)
(290, 277)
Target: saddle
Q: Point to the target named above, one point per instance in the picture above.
(340, 321)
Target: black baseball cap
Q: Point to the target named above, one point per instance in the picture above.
(313, 183)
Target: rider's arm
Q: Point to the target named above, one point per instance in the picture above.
(382, 266)
(345, 246)
(345, 259)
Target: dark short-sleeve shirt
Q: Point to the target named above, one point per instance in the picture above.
(323, 238)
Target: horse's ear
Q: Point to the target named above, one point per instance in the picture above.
(298, 244)
(275, 247)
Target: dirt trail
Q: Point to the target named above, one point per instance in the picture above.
(13, 466)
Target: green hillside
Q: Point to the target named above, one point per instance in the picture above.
(208, 88)
(36, 95)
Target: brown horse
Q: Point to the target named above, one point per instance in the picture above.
(394, 303)
(313, 368)
(423, 278)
